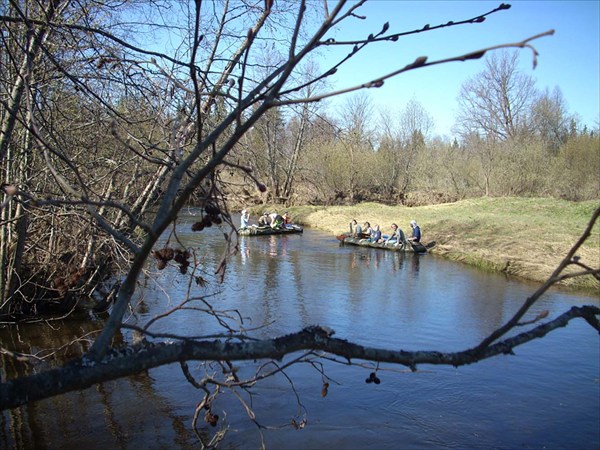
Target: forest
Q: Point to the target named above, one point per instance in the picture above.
(106, 139)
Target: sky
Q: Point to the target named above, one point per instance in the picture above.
(569, 60)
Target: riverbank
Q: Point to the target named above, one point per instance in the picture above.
(521, 237)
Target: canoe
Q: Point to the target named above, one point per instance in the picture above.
(255, 230)
(411, 247)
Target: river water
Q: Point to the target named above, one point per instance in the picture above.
(547, 395)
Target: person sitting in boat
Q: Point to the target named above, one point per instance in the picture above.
(397, 237)
(276, 220)
(244, 219)
(287, 221)
(416, 231)
(367, 230)
(355, 229)
(263, 221)
(375, 234)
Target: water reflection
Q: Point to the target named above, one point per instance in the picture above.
(369, 258)
(244, 251)
(415, 264)
(119, 414)
(384, 299)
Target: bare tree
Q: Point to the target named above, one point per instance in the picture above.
(415, 125)
(497, 103)
(173, 119)
(78, 100)
(389, 150)
(550, 118)
(273, 147)
(324, 166)
(264, 150)
(301, 128)
(357, 138)
(402, 139)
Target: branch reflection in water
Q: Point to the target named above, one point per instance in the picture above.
(370, 296)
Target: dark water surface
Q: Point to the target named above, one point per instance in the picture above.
(545, 396)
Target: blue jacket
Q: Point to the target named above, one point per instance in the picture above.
(416, 233)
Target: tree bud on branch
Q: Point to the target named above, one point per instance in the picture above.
(475, 55)
(375, 84)
(420, 61)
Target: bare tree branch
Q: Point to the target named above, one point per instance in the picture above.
(420, 62)
(553, 279)
(84, 372)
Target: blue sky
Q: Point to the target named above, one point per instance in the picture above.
(569, 59)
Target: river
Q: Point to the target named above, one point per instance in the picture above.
(547, 395)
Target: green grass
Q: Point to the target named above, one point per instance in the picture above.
(524, 237)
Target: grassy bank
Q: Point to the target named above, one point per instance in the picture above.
(518, 236)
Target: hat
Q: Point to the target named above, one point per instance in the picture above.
(243, 211)
(413, 223)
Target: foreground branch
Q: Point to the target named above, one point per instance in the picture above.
(420, 63)
(556, 276)
(84, 373)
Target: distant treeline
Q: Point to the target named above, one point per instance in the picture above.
(511, 139)
(334, 165)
